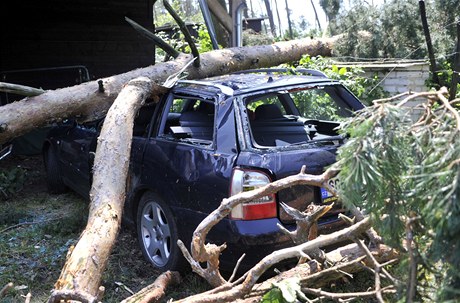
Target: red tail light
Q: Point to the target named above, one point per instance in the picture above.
(261, 208)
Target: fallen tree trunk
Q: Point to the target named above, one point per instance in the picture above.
(91, 100)
(82, 273)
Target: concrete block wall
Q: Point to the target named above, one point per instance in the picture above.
(397, 76)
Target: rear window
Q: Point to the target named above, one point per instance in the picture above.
(297, 116)
(321, 103)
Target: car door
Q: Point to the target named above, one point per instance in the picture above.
(77, 155)
(182, 160)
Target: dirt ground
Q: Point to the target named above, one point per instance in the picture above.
(36, 229)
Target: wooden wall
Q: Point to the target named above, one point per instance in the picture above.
(42, 34)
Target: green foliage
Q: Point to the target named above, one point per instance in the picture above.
(11, 181)
(316, 104)
(391, 31)
(274, 295)
(188, 11)
(445, 73)
(442, 17)
(400, 171)
(366, 89)
(374, 165)
(394, 30)
(177, 40)
(285, 291)
(331, 8)
(204, 40)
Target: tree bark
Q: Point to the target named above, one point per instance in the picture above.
(455, 68)
(429, 45)
(156, 291)
(20, 89)
(91, 100)
(316, 15)
(288, 14)
(82, 273)
(347, 259)
(221, 14)
(271, 21)
(279, 19)
(253, 275)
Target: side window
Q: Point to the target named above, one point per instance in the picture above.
(188, 118)
(142, 119)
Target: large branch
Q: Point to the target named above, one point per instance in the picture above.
(221, 15)
(239, 291)
(209, 253)
(347, 260)
(82, 273)
(185, 31)
(20, 89)
(91, 100)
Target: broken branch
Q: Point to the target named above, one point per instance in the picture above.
(20, 89)
(210, 253)
(155, 291)
(238, 291)
(350, 295)
(347, 260)
(185, 31)
(154, 38)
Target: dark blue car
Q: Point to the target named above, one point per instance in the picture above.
(206, 140)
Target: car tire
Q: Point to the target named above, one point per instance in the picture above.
(157, 234)
(54, 181)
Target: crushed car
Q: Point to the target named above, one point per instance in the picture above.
(208, 139)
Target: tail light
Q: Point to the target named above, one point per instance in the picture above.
(260, 208)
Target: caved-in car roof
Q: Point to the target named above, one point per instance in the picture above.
(248, 82)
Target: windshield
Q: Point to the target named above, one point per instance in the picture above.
(299, 115)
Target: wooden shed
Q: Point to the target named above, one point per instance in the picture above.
(61, 34)
(53, 44)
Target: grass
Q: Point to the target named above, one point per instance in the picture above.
(37, 229)
(36, 232)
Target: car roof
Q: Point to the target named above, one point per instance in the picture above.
(254, 80)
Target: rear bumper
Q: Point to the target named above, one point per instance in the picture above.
(256, 243)
(256, 239)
